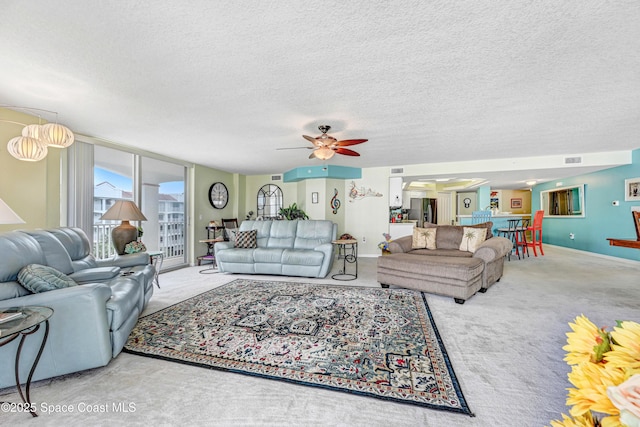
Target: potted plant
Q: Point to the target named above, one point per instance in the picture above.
(293, 212)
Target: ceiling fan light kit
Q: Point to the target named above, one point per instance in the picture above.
(327, 145)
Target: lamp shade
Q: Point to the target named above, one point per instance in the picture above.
(55, 135)
(27, 148)
(124, 210)
(8, 216)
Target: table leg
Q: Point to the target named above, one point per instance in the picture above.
(33, 367)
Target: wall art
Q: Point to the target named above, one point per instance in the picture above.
(632, 189)
(360, 193)
(335, 202)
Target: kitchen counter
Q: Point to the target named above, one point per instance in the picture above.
(499, 221)
(400, 229)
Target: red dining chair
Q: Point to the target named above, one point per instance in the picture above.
(536, 234)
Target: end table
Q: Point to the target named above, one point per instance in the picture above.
(27, 323)
(348, 251)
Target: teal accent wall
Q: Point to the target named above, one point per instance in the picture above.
(602, 219)
(484, 197)
(327, 171)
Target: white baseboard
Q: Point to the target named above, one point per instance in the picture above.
(597, 255)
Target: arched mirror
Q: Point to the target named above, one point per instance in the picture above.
(269, 201)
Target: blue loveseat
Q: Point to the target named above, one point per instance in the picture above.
(91, 321)
(291, 248)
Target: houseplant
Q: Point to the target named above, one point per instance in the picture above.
(293, 212)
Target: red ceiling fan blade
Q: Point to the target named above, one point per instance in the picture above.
(346, 152)
(347, 142)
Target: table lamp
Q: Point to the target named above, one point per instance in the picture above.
(8, 216)
(124, 210)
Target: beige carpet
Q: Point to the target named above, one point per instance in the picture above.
(505, 346)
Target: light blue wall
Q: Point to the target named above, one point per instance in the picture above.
(602, 220)
(484, 197)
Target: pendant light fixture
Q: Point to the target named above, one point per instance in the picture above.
(33, 145)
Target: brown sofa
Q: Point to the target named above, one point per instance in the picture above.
(445, 270)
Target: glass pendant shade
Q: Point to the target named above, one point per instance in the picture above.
(55, 135)
(324, 153)
(27, 149)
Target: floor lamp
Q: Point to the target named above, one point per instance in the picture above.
(125, 211)
(7, 215)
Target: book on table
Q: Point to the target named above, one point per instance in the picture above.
(7, 317)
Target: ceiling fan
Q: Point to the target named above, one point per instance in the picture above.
(325, 146)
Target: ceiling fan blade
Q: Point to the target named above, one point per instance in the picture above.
(295, 148)
(312, 155)
(313, 140)
(346, 152)
(347, 142)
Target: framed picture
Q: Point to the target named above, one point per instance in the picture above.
(516, 203)
(314, 197)
(632, 189)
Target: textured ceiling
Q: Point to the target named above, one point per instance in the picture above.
(225, 83)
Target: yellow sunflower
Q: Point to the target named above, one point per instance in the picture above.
(585, 420)
(587, 342)
(591, 381)
(625, 348)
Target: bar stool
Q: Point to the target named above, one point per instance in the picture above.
(510, 233)
(536, 234)
(521, 237)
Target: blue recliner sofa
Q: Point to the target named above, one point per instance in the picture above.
(91, 321)
(291, 248)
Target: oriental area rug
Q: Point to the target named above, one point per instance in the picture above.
(373, 342)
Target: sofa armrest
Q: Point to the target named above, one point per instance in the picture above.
(126, 260)
(493, 248)
(221, 246)
(78, 338)
(95, 275)
(401, 244)
(327, 262)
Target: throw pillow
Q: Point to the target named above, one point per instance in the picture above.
(424, 238)
(41, 278)
(247, 239)
(472, 238)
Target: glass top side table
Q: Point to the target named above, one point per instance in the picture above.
(26, 323)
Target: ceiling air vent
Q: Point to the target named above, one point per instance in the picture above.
(572, 160)
(397, 170)
(276, 177)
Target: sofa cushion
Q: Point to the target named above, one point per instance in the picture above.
(247, 239)
(311, 234)
(268, 255)
(263, 228)
(441, 252)
(54, 251)
(450, 236)
(424, 238)
(472, 237)
(41, 278)
(283, 234)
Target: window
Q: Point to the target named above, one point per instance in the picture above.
(158, 187)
